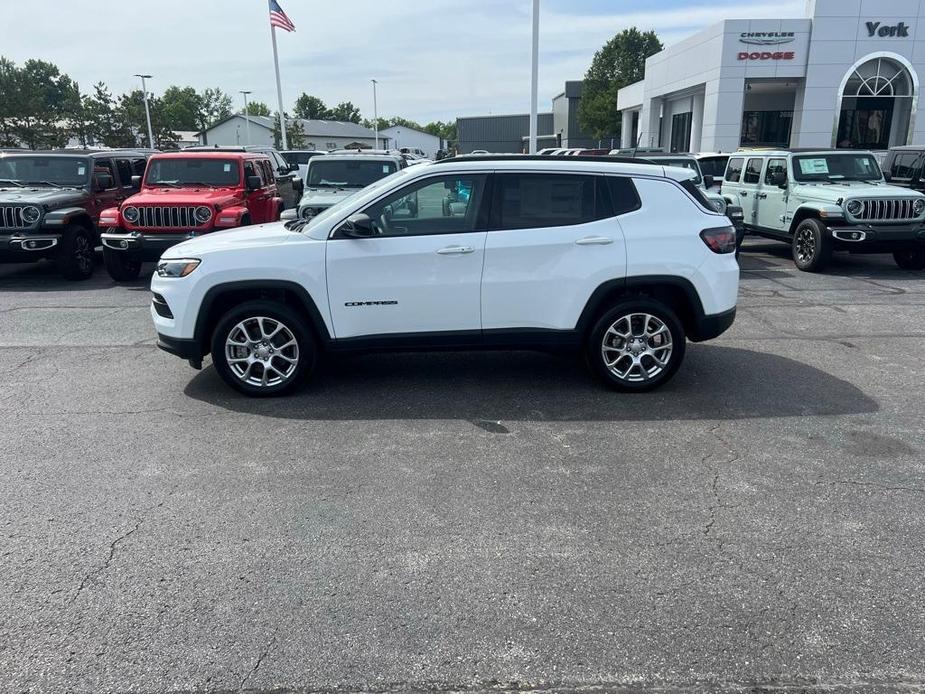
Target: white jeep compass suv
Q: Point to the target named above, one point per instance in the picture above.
(624, 261)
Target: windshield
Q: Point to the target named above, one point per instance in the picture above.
(340, 207)
(354, 173)
(193, 171)
(61, 171)
(836, 167)
(682, 163)
(299, 157)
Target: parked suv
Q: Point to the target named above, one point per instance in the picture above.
(825, 201)
(286, 174)
(902, 166)
(337, 176)
(50, 204)
(187, 194)
(621, 260)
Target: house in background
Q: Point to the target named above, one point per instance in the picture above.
(402, 136)
(322, 135)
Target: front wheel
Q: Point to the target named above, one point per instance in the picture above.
(812, 248)
(263, 348)
(121, 266)
(912, 259)
(637, 345)
(75, 253)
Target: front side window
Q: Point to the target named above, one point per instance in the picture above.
(443, 205)
(854, 166)
(356, 172)
(125, 172)
(774, 166)
(753, 171)
(39, 170)
(527, 201)
(904, 165)
(734, 170)
(104, 172)
(251, 170)
(186, 171)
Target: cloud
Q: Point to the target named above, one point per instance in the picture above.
(434, 60)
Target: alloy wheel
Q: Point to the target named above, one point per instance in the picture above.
(262, 351)
(637, 347)
(83, 253)
(805, 245)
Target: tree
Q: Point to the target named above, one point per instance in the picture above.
(131, 110)
(257, 108)
(214, 105)
(620, 62)
(347, 112)
(181, 107)
(39, 105)
(447, 130)
(295, 133)
(100, 122)
(311, 108)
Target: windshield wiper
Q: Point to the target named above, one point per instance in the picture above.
(170, 184)
(45, 183)
(296, 224)
(198, 183)
(14, 182)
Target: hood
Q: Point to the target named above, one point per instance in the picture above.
(186, 196)
(832, 192)
(325, 197)
(43, 195)
(234, 239)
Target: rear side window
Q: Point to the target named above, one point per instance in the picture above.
(697, 194)
(124, 167)
(734, 170)
(623, 197)
(713, 166)
(905, 165)
(526, 201)
(753, 171)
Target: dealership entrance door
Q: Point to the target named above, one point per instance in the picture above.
(876, 106)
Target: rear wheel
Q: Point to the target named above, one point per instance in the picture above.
(812, 248)
(912, 259)
(75, 255)
(121, 266)
(637, 345)
(263, 348)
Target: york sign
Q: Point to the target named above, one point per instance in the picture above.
(900, 30)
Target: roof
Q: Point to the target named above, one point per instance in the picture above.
(76, 152)
(191, 153)
(784, 151)
(312, 128)
(405, 127)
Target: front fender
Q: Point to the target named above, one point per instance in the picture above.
(64, 216)
(230, 217)
(109, 218)
(830, 213)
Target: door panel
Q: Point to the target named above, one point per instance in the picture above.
(771, 199)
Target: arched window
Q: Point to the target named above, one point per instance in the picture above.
(879, 77)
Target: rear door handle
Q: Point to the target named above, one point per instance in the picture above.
(743, 193)
(761, 196)
(456, 250)
(594, 241)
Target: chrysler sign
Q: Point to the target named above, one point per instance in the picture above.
(766, 38)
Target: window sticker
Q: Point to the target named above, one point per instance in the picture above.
(81, 170)
(227, 168)
(814, 166)
(385, 168)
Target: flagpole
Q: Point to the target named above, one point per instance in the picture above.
(279, 90)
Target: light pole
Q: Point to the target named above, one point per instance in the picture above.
(247, 117)
(144, 91)
(375, 113)
(534, 84)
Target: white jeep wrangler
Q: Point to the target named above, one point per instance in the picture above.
(624, 261)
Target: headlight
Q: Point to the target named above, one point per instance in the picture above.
(308, 212)
(854, 207)
(918, 206)
(130, 214)
(203, 214)
(31, 214)
(176, 268)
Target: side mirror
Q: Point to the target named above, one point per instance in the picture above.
(779, 179)
(253, 183)
(293, 168)
(288, 215)
(136, 182)
(358, 226)
(707, 181)
(103, 182)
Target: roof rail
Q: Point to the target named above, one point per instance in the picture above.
(600, 159)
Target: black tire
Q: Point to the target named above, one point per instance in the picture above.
(811, 246)
(912, 259)
(121, 266)
(260, 351)
(76, 253)
(245, 221)
(605, 337)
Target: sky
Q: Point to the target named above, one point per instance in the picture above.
(433, 59)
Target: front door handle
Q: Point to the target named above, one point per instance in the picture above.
(743, 193)
(594, 241)
(761, 196)
(456, 250)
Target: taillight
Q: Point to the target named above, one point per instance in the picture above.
(720, 239)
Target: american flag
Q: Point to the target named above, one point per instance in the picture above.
(278, 18)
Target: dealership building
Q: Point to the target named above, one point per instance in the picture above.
(847, 75)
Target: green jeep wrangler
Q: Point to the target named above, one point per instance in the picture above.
(825, 201)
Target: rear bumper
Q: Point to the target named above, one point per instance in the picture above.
(712, 325)
(147, 247)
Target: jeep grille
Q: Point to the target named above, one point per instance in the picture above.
(11, 218)
(167, 218)
(885, 210)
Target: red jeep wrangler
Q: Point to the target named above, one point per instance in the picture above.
(186, 194)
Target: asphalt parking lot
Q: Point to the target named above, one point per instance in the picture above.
(468, 521)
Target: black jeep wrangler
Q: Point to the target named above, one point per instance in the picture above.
(50, 203)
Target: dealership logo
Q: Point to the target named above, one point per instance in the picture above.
(766, 55)
(900, 30)
(766, 38)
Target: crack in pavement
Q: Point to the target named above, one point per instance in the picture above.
(270, 645)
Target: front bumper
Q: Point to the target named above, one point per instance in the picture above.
(148, 247)
(22, 247)
(185, 349)
(869, 238)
